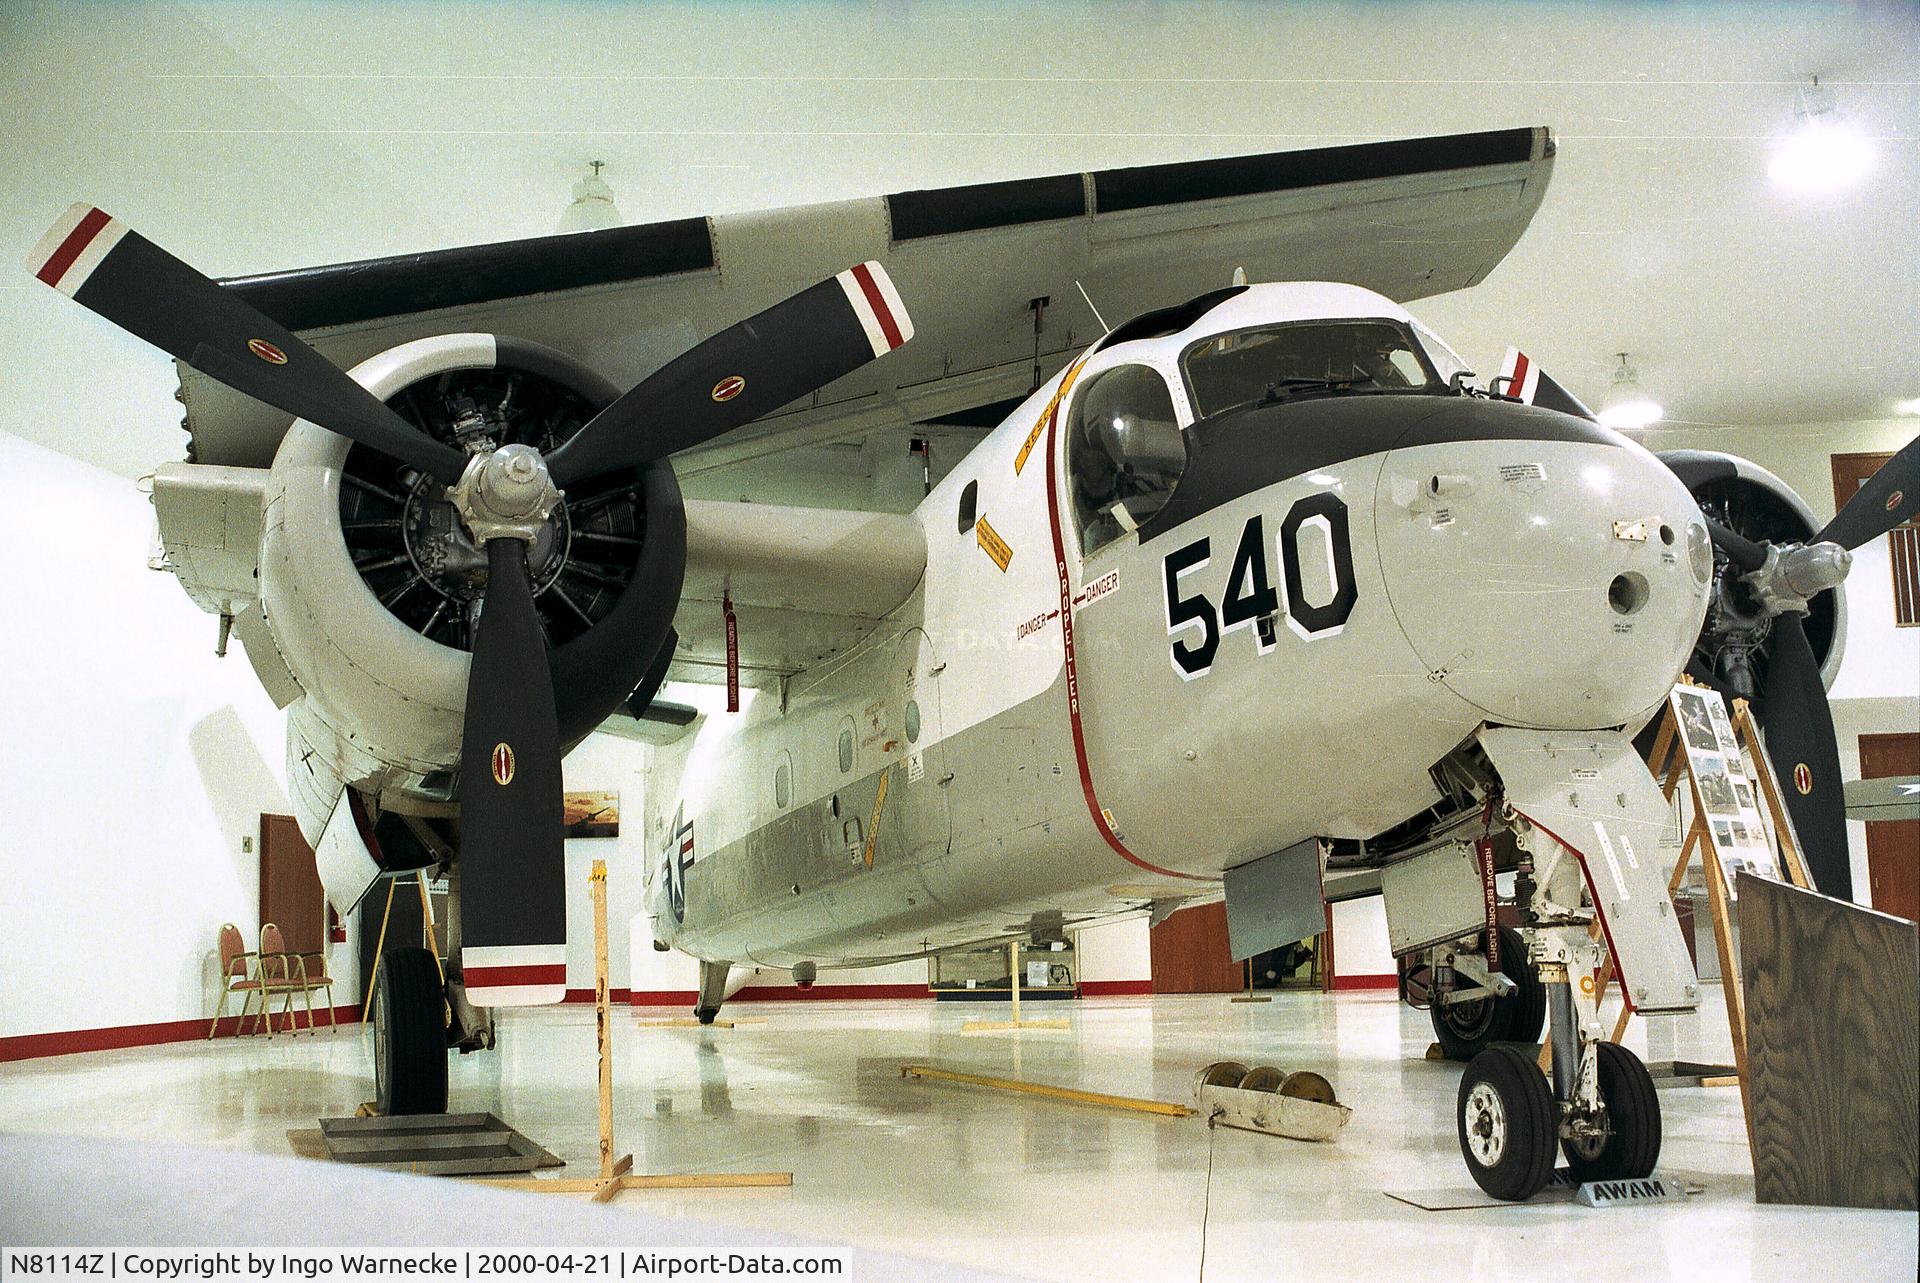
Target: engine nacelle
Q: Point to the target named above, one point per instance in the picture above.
(370, 585)
(1752, 501)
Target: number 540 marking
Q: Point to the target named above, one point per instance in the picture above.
(1251, 599)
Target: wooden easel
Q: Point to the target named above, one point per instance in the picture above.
(1669, 763)
(616, 1174)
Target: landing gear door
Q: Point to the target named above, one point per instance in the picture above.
(1588, 792)
(923, 776)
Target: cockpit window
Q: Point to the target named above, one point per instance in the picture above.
(1125, 450)
(1279, 361)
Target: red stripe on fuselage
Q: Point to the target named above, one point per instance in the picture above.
(71, 248)
(1073, 678)
(876, 300)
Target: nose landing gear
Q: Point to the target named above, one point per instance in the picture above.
(1600, 1108)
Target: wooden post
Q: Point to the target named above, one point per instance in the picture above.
(1013, 974)
(602, 1019)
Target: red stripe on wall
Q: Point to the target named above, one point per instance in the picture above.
(69, 1041)
(1366, 982)
(613, 995)
(1116, 988)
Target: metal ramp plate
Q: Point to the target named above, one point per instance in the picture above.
(1589, 791)
(434, 1145)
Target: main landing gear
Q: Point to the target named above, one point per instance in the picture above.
(1599, 1108)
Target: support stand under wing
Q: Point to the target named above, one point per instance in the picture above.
(1588, 795)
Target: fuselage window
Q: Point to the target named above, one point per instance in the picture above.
(969, 505)
(846, 744)
(913, 722)
(783, 782)
(1125, 451)
(1277, 362)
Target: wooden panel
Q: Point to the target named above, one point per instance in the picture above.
(1850, 472)
(1893, 846)
(1833, 1048)
(1190, 953)
(290, 892)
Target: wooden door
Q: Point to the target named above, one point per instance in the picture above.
(1190, 953)
(1893, 846)
(290, 893)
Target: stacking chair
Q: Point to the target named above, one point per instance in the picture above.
(287, 973)
(235, 977)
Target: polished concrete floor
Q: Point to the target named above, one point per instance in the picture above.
(1010, 1184)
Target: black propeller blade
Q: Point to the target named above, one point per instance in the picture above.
(114, 271)
(1800, 741)
(1746, 555)
(745, 371)
(512, 850)
(1891, 496)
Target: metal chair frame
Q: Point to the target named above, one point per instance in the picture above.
(288, 964)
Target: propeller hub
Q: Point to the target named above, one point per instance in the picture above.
(1796, 572)
(505, 494)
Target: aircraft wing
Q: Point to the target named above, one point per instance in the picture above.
(805, 583)
(1408, 218)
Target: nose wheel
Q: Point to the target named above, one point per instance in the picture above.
(1507, 1118)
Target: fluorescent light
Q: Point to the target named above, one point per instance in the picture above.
(1823, 151)
(1628, 408)
(1909, 406)
(592, 209)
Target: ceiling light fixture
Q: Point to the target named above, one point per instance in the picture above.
(1628, 408)
(1823, 150)
(1909, 406)
(592, 209)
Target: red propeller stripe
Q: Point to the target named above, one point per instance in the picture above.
(554, 973)
(91, 225)
(878, 302)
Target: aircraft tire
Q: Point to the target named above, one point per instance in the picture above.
(706, 1015)
(410, 1036)
(1506, 1115)
(1632, 1145)
(1529, 1001)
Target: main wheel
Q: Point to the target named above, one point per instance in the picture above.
(1507, 1123)
(410, 1036)
(1465, 1029)
(1529, 1000)
(1631, 1146)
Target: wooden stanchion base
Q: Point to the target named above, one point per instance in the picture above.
(1011, 1026)
(608, 1186)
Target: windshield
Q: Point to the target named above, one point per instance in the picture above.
(1279, 361)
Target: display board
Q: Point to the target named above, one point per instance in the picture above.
(1728, 791)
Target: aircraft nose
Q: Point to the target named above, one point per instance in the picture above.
(1548, 571)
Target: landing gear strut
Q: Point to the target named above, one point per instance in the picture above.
(713, 990)
(1600, 1107)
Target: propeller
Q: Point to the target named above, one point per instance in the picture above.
(513, 902)
(1791, 706)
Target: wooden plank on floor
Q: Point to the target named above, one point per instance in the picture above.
(1833, 1052)
(1132, 1104)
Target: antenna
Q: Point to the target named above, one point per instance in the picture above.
(1090, 307)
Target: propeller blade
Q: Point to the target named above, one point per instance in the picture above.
(1891, 496)
(114, 271)
(745, 371)
(513, 906)
(1799, 725)
(1746, 555)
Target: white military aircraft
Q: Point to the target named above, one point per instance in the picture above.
(1259, 596)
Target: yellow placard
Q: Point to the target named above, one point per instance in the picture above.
(1046, 417)
(879, 805)
(992, 544)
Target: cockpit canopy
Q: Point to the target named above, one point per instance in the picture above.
(1126, 445)
(1278, 361)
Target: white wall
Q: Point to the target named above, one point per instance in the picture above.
(133, 765)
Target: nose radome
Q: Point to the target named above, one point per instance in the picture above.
(1547, 582)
